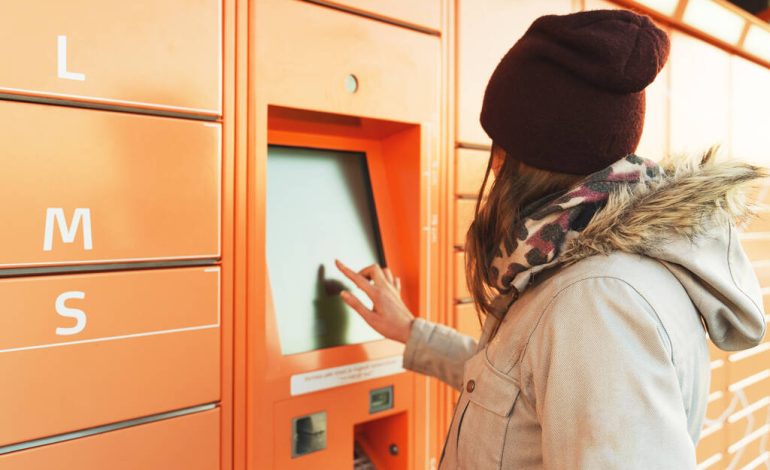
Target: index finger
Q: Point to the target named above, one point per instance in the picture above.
(358, 279)
(374, 273)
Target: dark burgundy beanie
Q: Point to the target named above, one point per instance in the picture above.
(569, 95)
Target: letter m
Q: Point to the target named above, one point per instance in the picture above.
(82, 217)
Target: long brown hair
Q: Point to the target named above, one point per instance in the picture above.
(515, 186)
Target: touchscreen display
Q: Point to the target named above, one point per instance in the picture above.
(319, 207)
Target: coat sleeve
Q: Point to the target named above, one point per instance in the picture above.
(438, 351)
(604, 383)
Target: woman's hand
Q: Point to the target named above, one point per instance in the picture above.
(389, 315)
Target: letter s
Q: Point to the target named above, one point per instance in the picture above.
(78, 315)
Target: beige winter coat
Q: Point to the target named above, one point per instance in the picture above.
(604, 364)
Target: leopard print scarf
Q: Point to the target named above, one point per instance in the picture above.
(548, 224)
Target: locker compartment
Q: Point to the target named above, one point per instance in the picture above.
(423, 14)
(486, 29)
(464, 212)
(79, 351)
(84, 186)
(188, 442)
(140, 53)
(320, 59)
(470, 170)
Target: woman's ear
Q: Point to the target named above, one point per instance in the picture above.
(498, 157)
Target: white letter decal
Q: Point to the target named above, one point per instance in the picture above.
(62, 61)
(78, 315)
(67, 233)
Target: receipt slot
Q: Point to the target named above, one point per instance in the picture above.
(308, 434)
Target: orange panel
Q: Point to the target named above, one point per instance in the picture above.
(83, 350)
(486, 29)
(186, 443)
(397, 157)
(144, 188)
(340, 433)
(470, 170)
(464, 212)
(377, 436)
(310, 51)
(162, 54)
(699, 95)
(461, 287)
(467, 321)
(423, 14)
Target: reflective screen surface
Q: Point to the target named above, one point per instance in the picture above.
(319, 207)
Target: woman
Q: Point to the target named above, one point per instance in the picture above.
(596, 270)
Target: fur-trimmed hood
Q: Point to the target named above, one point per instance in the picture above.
(687, 221)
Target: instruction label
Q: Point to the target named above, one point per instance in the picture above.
(344, 375)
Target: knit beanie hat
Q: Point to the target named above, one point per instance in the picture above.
(569, 95)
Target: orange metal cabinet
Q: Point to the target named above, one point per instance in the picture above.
(699, 95)
(750, 113)
(158, 54)
(332, 80)
(424, 14)
(288, 385)
(464, 212)
(486, 29)
(470, 170)
(83, 186)
(188, 442)
(313, 53)
(83, 350)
